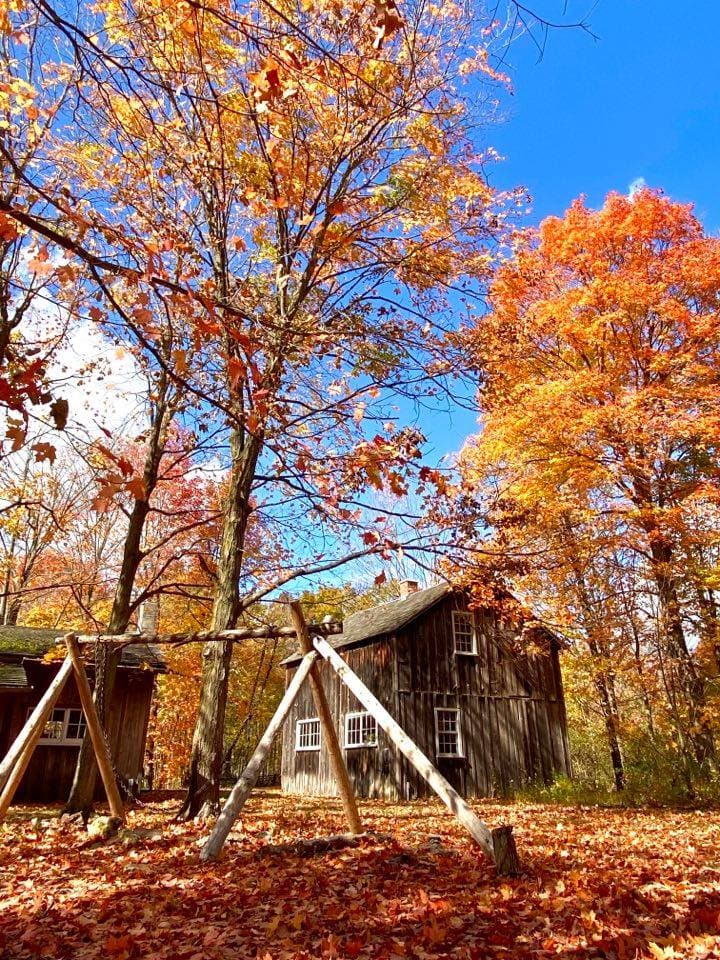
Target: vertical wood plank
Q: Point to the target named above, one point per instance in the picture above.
(330, 740)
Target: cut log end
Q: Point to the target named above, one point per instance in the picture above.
(507, 861)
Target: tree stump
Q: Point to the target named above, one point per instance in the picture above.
(507, 861)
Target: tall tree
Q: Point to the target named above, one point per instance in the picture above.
(600, 355)
(306, 190)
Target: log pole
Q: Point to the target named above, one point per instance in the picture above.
(203, 636)
(242, 789)
(100, 745)
(409, 749)
(329, 733)
(18, 757)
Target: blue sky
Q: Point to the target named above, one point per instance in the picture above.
(593, 115)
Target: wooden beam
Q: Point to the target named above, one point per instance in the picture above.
(337, 761)
(20, 753)
(241, 791)
(203, 636)
(450, 797)
(100, 745)
(36, 720)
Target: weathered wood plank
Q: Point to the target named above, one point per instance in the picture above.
(94, 728)
(327, 725)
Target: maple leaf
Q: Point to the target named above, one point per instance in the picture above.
(8, 228)
(388, 21)
(44, 451)
(59, 412)
(266, 81)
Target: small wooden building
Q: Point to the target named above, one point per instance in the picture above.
(24, 677)
(489, 715)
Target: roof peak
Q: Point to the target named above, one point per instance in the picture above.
(383, 618)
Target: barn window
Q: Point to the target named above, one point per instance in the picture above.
(360, 730)
(65, 726)
(464, 636)
(447, 729)
(307, 734)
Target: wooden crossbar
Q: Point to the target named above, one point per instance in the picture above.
(203, 636)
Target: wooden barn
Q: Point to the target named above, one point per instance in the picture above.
(490, 716)
(24, 677)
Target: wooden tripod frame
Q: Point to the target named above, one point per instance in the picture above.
(498, 844)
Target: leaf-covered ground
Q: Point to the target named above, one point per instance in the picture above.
(598, 884)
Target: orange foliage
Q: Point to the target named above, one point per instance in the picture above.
(597, 464)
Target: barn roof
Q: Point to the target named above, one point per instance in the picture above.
(17, 642)
(385, 618)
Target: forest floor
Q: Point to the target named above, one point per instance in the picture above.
(598, 883)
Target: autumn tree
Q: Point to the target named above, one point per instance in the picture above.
(31, 326)
(303, 190)
(599, 441)
(42, 502)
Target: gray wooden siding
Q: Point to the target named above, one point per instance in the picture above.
(512, 712)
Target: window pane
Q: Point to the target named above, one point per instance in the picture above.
(463, 631)
(360, 730)
(448, 732)
(308, 734)
(76, 725)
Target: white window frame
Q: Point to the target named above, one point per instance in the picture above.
(360, 746)
(311, 748)
(458, 723)
(461, 616)
(64, 740)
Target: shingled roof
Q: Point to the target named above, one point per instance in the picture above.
(18, 642)
(386, 618)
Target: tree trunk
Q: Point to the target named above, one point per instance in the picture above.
(107, 662)
(206, 760)
(604, 684)
(689, 678)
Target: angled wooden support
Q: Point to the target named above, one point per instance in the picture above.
(15, 763)
(100, 746)
(501, 853)
(241, 791)
(337, 761)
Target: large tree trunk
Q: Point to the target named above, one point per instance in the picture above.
(106, 661)
(206, 760)
(689, 677)
(604, 678)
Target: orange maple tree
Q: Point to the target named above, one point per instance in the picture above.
(597, 462)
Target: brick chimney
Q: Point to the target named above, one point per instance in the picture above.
(407, 587)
